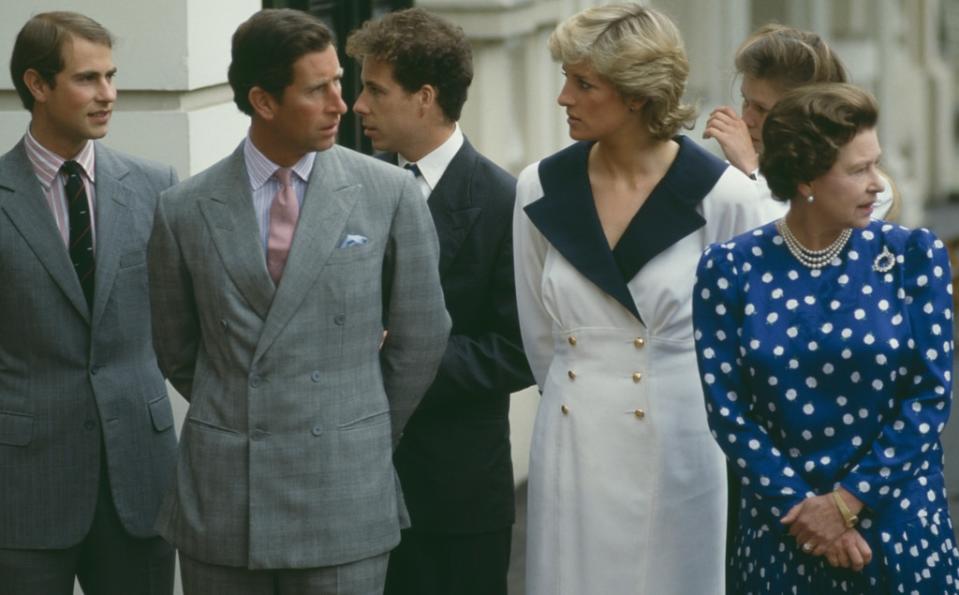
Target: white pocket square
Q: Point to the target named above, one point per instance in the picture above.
(353, 240)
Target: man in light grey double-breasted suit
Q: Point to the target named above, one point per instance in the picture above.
(87, 443)
(284, 482)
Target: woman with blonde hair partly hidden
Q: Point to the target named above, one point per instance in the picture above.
(824, 341)
(627, 490)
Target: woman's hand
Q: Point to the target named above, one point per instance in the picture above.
(731, 132)
(815, 523)
(849, 550)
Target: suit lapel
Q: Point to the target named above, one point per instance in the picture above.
(329, 200)
(112, 223)
(452, 207)
(232, 222)
(566, 216)
(21, 198)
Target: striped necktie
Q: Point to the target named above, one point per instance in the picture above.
(81, 233)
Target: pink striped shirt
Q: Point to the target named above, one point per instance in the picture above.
(46, 165)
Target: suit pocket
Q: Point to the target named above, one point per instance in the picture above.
(372, 419)
(16, 429)
(132, 259)
(161, 413)
(352, 253)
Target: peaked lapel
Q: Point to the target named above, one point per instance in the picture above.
(330, 198)
(113, 220)
(451, 204)
(24, 203)
(566, 216)
(229, 213)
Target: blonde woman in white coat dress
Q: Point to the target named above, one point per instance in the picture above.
(627, 489)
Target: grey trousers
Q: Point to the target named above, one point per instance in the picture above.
(363, 577)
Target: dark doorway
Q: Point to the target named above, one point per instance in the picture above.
(342, 16)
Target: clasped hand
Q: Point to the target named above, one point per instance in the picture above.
(817, 522)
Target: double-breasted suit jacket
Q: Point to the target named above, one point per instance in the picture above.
(286, 453)
(73, 378)
(454, 459)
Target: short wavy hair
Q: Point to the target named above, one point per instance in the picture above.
(806, 129)
(639, 51)
(423, 49)
(788, 58)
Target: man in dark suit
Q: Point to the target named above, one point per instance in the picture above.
(454, 457)
(86, 429)
(272, 274)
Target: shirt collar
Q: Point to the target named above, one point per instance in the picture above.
(46, 164)
(261, 169)
(435, 162)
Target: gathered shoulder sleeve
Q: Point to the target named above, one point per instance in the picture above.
(907, 449)
(529, 257)
(718, 313)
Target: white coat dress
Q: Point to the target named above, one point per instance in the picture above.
(627, 489)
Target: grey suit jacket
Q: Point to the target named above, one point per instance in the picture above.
(285, 458)
(66, 375)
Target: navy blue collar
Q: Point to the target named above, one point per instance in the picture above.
(567, 218)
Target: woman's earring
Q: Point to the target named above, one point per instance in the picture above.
(810, 198)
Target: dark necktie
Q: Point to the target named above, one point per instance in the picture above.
(413, 168)
(81, 234)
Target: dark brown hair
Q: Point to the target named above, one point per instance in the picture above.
(788, 58)
(39, 46)
(423, 50)
(265, 47)
(806, 129)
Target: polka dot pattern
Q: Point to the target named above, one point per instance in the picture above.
(841, 377)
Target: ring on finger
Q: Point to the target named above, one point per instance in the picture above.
(807, 547)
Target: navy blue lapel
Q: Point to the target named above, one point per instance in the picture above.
(670, 213)
(567, 218)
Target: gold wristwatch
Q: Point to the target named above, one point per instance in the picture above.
(848, 518)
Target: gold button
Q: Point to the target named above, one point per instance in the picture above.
(564, 409)
(572, 340)
(639, 413)
(571, 374)
(637, 377)
(639, 342)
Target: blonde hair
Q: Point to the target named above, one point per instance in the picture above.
(639, 51)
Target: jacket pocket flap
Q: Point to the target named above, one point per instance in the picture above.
(161, 413)
(16, 429)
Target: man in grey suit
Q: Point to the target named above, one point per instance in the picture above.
(87, 444)
(273, 276)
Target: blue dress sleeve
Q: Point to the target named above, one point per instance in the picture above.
(718, 312)
(907, 449)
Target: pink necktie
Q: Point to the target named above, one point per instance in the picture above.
(284, 211)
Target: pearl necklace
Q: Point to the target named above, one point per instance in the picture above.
(814, 259)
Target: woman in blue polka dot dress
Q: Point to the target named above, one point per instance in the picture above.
(824, 343)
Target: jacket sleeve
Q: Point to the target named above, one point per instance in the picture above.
(908, 446)
(176, 327)
(419, 325)
(529, 258)
(718, 311)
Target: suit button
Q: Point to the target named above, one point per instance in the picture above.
(257, 434)
(316, 431)
(639, 342)
(572, 340)
(94, 369)
(637, 376)
(223, 323)
(564, 409)
(316, 376)
(571, 374)
(639, 413)
(254, 381)
(89, 425)
(339, 319)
